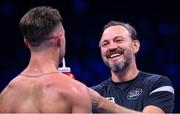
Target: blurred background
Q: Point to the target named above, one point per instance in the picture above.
(156, 21)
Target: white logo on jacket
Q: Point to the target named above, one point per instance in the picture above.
(111, 99)
(134, 94)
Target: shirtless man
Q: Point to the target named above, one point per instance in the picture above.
(40, 87)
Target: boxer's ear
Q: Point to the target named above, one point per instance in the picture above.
(58, 42)
(58, 38)
(26, 43)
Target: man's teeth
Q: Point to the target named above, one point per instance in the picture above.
(114, 55)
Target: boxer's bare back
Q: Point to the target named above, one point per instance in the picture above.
(50, 92)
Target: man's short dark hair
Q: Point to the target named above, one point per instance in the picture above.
(130, 28)
(39, 22)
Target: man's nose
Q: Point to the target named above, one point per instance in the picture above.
(112, 46)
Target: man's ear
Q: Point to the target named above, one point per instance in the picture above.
(136, 46)
(26, 43)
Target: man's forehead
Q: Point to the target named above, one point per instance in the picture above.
(114, 31)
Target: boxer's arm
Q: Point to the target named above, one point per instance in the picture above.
(0, 104)
(106, 106)
(81, 101)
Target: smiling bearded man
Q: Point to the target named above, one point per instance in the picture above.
(131, 90)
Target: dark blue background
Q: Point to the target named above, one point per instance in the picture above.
(156, 21)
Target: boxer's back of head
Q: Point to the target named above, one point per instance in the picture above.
(38, 22)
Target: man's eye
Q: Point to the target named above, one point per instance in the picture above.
(104, 44)
(119, 40)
